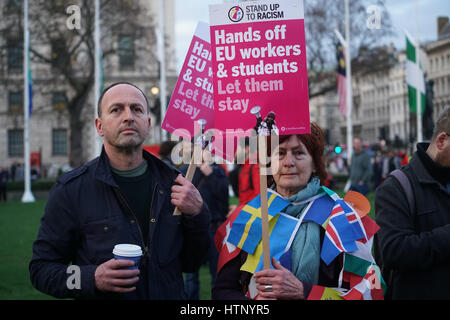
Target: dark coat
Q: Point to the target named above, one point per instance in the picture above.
(86, 215)
(415, 246)
(4, 178)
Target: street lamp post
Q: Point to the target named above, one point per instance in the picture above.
(348, 77)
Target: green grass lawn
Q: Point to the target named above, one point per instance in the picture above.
(19, 224)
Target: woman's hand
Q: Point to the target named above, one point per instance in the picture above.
(285, 284)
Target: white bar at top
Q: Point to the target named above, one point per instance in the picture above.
(292, 9)
(202, 31)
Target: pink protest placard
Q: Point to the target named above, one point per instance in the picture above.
(192, 98)
(259, 67)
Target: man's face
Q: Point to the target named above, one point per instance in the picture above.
(357, 145)
(124, 121)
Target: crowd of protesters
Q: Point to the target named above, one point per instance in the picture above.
(381, 158)
(105, 202)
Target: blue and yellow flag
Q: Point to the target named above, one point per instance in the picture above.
(319, 210)
(282, 230)
(246, 229)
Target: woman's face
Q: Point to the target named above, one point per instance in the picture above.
(295, 166)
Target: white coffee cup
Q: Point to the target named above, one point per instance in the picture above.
(128, 252)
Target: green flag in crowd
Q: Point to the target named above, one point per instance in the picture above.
(414, 76)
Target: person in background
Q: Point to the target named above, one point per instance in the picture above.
(413, 243)
(244, 178)
(248, 179)
(4, 176)
(389, 164)
(360, 168)
(165, 151)
(13, 171)
(377, 168)
(210, 179)
(404, 159)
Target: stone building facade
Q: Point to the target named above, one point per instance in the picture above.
(49, 121)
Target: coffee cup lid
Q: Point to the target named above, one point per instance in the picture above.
(127, 250)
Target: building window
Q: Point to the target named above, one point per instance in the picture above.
(126, 4)
(126, 51)
(58, 50)
(14, 6)
(59, 100)
(59, 142)
(60, 5)
(15, 143)
(15, 54)
(15, 101)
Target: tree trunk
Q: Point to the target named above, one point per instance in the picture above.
(76, 107)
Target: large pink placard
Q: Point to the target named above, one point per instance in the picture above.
(259, 59)
(192, 97)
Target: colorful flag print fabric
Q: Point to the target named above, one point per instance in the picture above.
(339, 236)
(325, 293)
(227, 251)
(346, 232)
(342, 224)
(370, 226)
(355, 269)
(369, 288)
(319, 210)
(354, 220)
(246, 231)
(282, 230)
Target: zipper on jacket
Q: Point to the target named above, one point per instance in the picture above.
(150, 234)
(124, 201)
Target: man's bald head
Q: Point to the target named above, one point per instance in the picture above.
(99, 105)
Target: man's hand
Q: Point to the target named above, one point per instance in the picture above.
(110, 277)
(186, 197)
(285, 284)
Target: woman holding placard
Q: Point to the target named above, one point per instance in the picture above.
(299, 178)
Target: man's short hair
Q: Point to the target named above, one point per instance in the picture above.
(99, 104)
(442, 124)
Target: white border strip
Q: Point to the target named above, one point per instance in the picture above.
(291, 10)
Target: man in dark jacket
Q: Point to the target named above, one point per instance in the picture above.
(124, 196)
(413, 243)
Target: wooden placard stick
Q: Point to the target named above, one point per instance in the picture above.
(262, 149)
(189, 175)
(192, 165)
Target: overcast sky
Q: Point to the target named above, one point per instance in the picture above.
(403, 17)
(402, 12)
